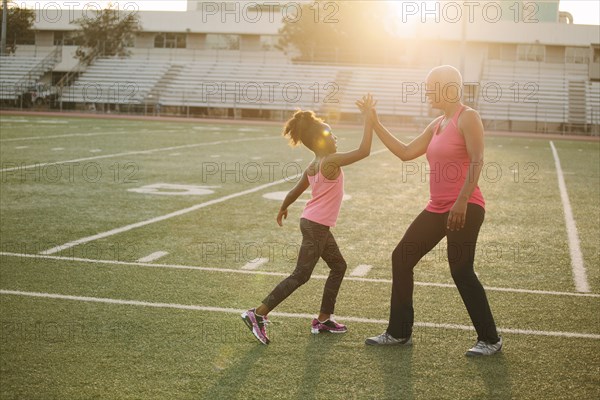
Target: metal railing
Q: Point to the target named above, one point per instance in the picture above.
(74, 73)
(47, 63)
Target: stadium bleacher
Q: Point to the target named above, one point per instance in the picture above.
(289, 86)
(525, 91)
(397, 90)
(227, 84)
(18, 73)
(536, 92)
(248, 85)
(116, 81)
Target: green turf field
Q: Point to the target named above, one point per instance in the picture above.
(85, 314)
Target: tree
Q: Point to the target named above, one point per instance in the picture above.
(106, 35)
(19, 23)
(340, 31)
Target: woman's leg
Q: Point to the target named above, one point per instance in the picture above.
(421, 236)
(314, 237)
(337, 268)
(461, 255)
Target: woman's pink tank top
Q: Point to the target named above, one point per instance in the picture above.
(324, 206)
(449, 164)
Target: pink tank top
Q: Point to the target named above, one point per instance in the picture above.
(449, 165)
(324, 206)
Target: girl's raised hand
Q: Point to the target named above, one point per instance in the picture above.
(367, 107)
(340, 159)
(366, 104)
(360, 105)
(370, 102)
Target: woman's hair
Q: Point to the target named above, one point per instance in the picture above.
(303, 128)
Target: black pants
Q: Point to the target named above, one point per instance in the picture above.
(424, 234)
(317, 242)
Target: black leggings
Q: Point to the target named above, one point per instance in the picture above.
(317, 242)
(422, 235)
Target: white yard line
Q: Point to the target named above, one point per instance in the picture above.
(153, 257)
(288, 315)
(254, 264)
(61, 136)
(164, 217)
(130, 153)
(176, 213)
(579, 272)
(283, 274)
(361, 270)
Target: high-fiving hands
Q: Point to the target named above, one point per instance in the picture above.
(367, 106)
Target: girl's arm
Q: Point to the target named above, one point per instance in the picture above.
(292, 196)
(472, 129)
(336, 160)
(406, 152)
(350, 157)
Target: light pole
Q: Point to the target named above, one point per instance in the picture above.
(4, 18)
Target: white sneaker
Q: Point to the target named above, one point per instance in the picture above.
(482, 348)
(385, 339)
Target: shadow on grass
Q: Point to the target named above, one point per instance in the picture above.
(316, 354)
(494, 372)
(395, 367)
(230, 382)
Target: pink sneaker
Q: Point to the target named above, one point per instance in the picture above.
(257, 324)
(327, 326)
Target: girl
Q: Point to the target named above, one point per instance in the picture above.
(326, 179)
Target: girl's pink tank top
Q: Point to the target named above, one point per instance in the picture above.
(324, 206)
(448, 164)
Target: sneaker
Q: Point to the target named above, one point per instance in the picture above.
(257, 324)
(327, 326)
(482, 348)
(385, 339)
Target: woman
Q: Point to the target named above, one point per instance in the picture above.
(453, 144)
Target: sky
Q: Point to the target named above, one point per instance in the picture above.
(583, 11)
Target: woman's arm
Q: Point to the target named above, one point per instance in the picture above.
(292, 196)
(471, 127)
(406, 152)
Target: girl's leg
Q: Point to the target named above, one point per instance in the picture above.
(421, 236)
(262, 310)
(313, 242)
(461, 255)
(337, 268)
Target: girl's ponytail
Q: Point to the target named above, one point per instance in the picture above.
(300, 128)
